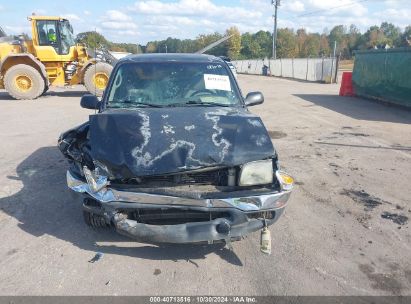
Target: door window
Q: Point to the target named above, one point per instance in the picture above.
(47, 31)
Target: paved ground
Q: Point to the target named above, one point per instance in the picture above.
(352, 162)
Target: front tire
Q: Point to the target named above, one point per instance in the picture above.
(96, 77)
(94, 220)
(24, 82)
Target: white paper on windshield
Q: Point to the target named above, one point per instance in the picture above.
(217, 82)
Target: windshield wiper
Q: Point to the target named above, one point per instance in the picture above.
(130, 104)
(198, 103)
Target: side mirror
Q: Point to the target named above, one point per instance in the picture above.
(254, 98)
(89, 101)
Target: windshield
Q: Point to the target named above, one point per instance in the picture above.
(172, 84)
(67, 37)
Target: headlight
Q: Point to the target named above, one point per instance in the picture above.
(94, 180)
(285, 180)
(256, 173)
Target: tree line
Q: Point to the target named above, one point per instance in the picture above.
(290, 43)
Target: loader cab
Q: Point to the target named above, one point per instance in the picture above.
(2, 33)
(52, 37)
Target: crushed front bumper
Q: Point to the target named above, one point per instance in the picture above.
(243, 215)
(214, 230)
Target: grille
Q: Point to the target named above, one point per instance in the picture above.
(216, 177)
(174, 216)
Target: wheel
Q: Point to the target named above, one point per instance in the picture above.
(96, 77)
(202, 92)
(94, 220)
(24, 82)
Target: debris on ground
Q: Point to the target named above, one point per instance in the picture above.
(276, 134)
(157, 271)
(353, 134)
(97, 257)
(362, 197)
(396, 218)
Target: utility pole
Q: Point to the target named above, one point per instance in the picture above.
(332, 61)
(276, 4)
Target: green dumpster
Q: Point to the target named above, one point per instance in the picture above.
(383, 75)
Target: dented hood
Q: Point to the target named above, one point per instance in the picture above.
(153, 141)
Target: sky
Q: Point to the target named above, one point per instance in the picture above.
(146, 20)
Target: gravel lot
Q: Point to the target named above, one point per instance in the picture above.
(345, 231)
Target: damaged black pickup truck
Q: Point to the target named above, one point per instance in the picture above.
(173, 155)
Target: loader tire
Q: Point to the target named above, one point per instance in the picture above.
(24, 82)
(96, 77)
(46, 88)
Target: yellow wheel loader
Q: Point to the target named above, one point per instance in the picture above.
(51, 58)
